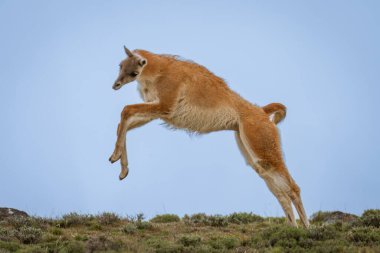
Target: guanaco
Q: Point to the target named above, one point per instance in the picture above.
(188, 96)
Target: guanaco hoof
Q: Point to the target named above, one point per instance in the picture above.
(123, 173)
(114, 157)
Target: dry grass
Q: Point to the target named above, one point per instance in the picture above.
(238, 232)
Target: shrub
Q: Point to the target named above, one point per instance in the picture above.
(130, 228)
(225, 242)
(73, 247)
(5, 235)
(56, 231)
(203, 219)
(160, 245)
(217, 221)
(75, 219)
(41, 222)
(102, 243)
(46, 237)
(335, 246)
(96, 226)
(108, 218)
(332, 217)
(364, 236)
(9, 246)
(28, 235)
(371, 217)
(144, 225)
(20, 221)
(244, 218)
(198, 218)
(81, 237)
(322, 233)
(283, 236)
(190, 241)
(140, 217)
(165, 218)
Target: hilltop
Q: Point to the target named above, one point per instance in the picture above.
(238, 232)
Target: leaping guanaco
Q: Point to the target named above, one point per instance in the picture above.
(188, 96)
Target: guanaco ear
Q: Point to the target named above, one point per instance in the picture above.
(142, 62)
(129, 53)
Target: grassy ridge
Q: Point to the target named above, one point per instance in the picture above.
(238, 232)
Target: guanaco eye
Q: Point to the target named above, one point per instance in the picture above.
(134, 74)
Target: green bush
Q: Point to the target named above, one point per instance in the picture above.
(198, 218)
(190, 241)
(319, 216)
(42, 222)
(371, 217)
(161, 245)
(165, 218)
(281, 236)
(130, 228)
(108, 218)
(322, 233)
(73, 247)
(144, 225)
(333, 217)
(244, 218)
(47, 237)
(140, 217)
(217, 221)
(334, 246)
(102, 243)
(96, 226)
(56, 231)
(28, 235)
(364, 236)
(81, 237)
(9, 246)
(208, 220)
(20, 221)
(5, 234)
(75, 219)
(225, 242)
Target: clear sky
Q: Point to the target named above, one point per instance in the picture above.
(59, 59)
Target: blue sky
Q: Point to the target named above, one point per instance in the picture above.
(59, 59)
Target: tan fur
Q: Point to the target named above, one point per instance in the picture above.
(188, 96)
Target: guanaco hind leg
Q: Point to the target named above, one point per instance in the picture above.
(272, 171)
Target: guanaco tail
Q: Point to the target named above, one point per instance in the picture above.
(188, 96)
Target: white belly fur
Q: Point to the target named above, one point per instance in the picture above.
(202, 120)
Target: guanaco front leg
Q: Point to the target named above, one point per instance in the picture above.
(123, 158)
(132, 116)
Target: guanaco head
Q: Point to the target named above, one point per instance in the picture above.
(130, 69)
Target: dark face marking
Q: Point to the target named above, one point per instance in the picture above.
(134, 74)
